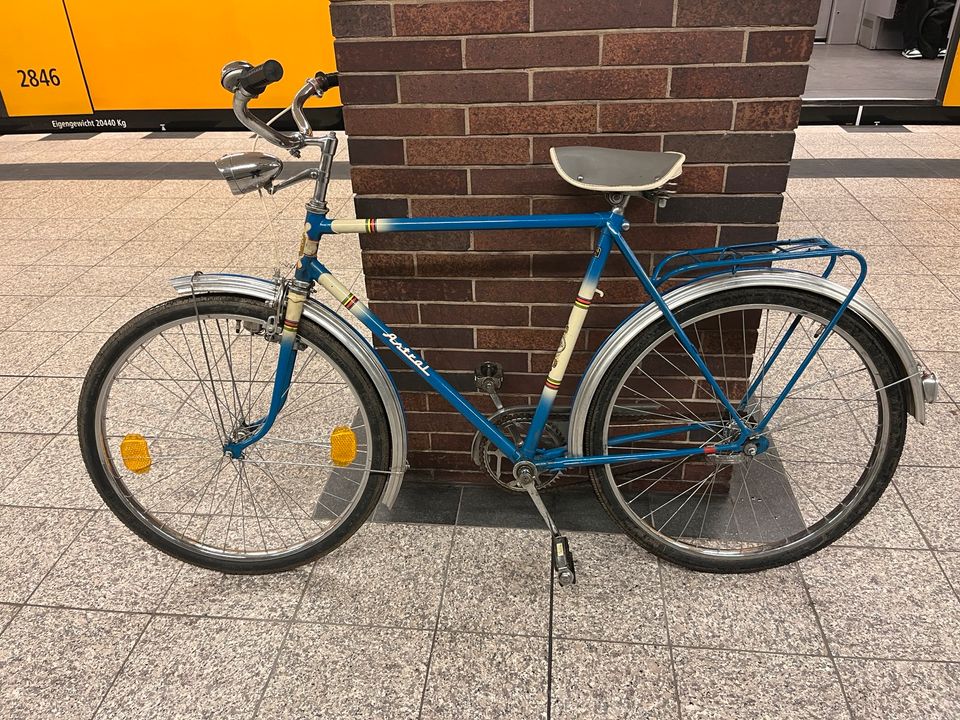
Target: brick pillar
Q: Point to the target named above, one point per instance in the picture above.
(451, 109)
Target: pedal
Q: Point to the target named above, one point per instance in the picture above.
(563, 561)
(488, 378)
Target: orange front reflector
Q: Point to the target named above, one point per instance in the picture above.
(343, 445)
(135, 453)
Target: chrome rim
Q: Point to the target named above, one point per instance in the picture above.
(825, 441)
(285, 494)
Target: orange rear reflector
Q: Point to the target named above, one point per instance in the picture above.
(135, 453)
(343, 445)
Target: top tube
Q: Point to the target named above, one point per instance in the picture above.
(322, 225)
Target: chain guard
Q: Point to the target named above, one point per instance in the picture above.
(514, 422)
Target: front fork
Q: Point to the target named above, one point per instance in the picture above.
(297, 293)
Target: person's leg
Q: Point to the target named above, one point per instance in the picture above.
(913, 12)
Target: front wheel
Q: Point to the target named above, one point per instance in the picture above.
(821, 463)
(177, 382)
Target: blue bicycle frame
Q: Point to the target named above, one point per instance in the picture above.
(700, 263)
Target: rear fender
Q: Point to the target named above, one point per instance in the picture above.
(643, 318)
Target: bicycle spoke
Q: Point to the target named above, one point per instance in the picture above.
(809, 458)
(207, 369)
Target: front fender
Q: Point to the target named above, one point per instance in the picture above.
(650, 313)
(354, 342)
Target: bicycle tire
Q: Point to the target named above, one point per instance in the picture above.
(870, 486)
(120, 500)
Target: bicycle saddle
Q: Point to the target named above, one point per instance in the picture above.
(609, 170)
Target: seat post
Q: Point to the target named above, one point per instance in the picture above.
(618, 201)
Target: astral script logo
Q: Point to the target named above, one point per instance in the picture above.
(407, 353)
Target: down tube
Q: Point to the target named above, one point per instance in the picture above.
(449, 393)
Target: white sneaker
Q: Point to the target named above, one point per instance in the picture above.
(942, 54)
(912, 54)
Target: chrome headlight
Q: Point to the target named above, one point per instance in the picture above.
(249, 171)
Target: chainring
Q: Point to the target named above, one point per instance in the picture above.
(514, 423)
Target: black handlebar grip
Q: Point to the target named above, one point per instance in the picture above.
(255, 80)
(328, 80)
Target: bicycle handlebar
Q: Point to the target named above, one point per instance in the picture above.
(247, 82)
(255, 80)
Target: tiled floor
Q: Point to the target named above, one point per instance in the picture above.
(447, 620)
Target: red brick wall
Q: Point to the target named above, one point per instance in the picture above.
(451, 108)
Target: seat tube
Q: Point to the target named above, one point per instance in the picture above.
(578, 314)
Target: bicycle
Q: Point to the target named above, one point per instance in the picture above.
(741, 420)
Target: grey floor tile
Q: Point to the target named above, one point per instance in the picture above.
(888, 524)
(73, 358)
(719, 684)
(423, 503)
(23, 352)
(31, 541)
(12, 309)
(7, 611)
(87, 252)
(926, 329)
(476, 675)
(194, 668)
(768, 611)
(108, 567)
(901, 689)
(864, 232)
(612, 681)
(833, 208)
(817, 187)
(64, 313)
(16, 452)
(941, 260)
(863, 188)
(923, 292)
(386, 574)
(106, 281)
(886, 260)
(950, 561)
(617, 595)
(900, 209)
(8, 383)
(119, 312)
(59, 663)
(328, 671)
(576, 508)
(41, 405)
(933, 496)
(498, 581)
(197, 591)
(923, 235)
(797, 229)
(791, 212)
(147, 254)
(56, 477)
(934, 443)
(884, 603)
(491, 507)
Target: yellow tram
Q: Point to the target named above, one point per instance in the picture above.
(112, 64)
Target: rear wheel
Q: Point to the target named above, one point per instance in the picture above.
(821, 464)
(181, 379)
